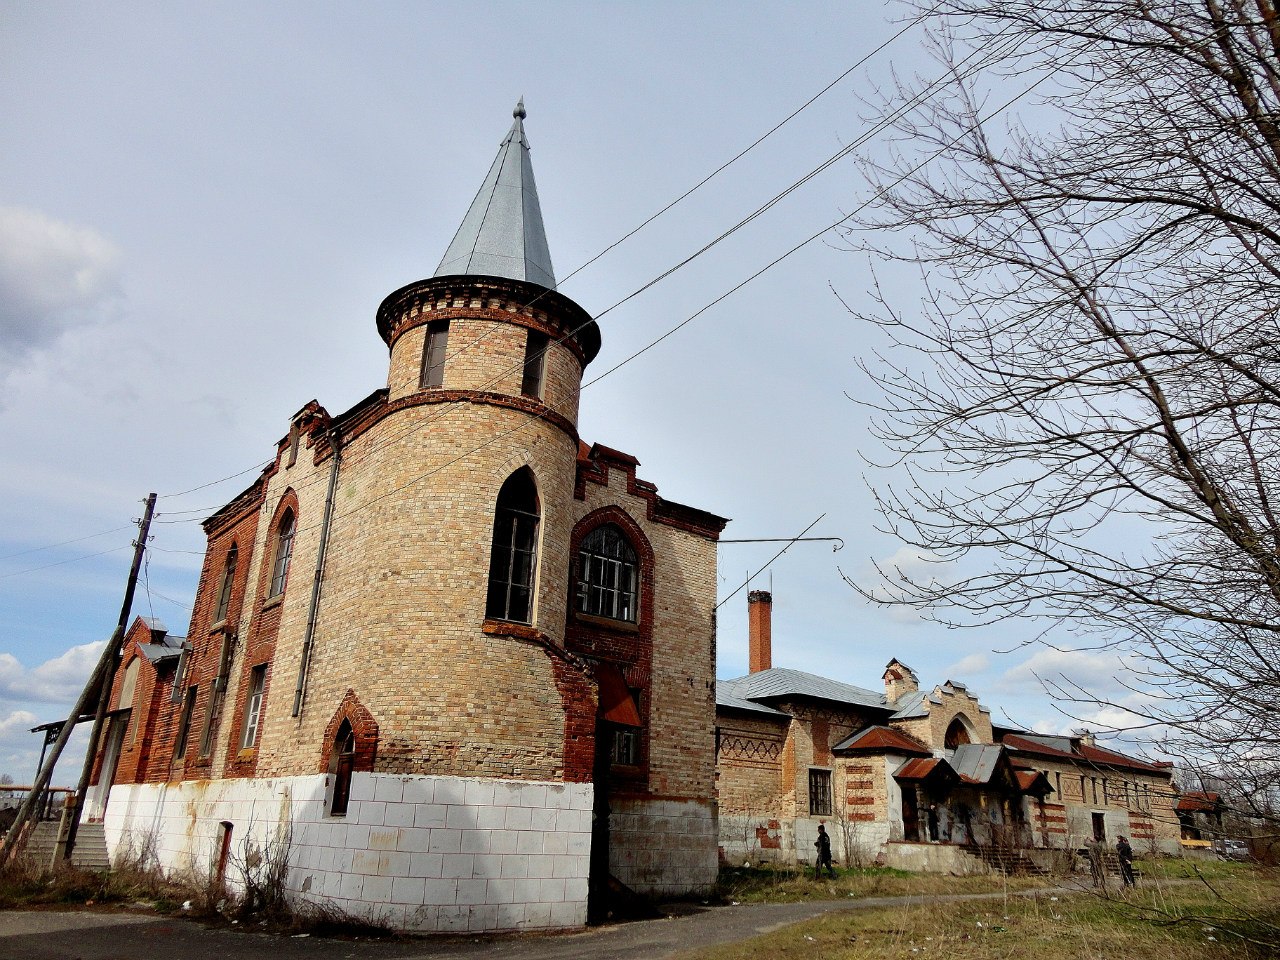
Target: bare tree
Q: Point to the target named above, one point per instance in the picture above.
(1086, 405)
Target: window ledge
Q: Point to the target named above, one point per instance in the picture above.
(509, 628)
(220, 626)
(273, 601)
(606, 623)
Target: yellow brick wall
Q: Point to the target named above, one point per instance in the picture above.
(682, 720)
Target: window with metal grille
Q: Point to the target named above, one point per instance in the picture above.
(607, 575)
(433, 354)
(626, 746)
(819, 793)
(513, 561)
(253, 706)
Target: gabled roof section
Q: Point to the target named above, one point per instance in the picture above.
(976, 762)
(502, 233)
(780, 683)
(881, 740)
(1200, 801)
(927, 770)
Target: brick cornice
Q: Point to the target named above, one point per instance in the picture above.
(497, 298)
(594, 464)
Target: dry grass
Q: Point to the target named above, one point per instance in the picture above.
(782, 885)
(1234, 915)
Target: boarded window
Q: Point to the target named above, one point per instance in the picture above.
(433, 353)
(535, 364)
(228, 578)
(184, 724)
(819, 793)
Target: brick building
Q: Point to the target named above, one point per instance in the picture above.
(914, 777)
(458, 661)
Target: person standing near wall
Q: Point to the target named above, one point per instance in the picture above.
(1125, 854)
(823, 843)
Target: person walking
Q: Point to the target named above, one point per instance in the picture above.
(1124, 853)
(823, 843)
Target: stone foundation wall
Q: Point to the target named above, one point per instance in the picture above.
(663, 847)
(415, 852)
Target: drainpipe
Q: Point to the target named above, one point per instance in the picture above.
(335, 444)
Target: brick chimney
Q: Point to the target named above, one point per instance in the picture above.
(899, 680)
(759, 622)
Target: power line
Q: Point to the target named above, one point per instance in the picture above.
(62, 543)
(966, 67)
(762, 270)
(59, 563)
(862, 61)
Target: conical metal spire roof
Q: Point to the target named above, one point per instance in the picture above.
(502, 234)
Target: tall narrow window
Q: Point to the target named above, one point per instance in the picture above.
(433, 354)
(341, 766)
(228, 578)
(535, 363)
(607, 575)
(283, 553)
(514, 558)
(184, 724)
(253, 707)
(819, 793)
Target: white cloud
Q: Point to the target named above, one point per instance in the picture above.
(1098, 673)
(53, 276)
(20, 749)
(974, 663)
(58, 680)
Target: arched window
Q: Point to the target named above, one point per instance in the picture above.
(283, 552)
(957, 734)
(228, 578)
(515, 542)
(607, 574)
(341, 766)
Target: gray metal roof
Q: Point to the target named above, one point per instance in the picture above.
(502, 234)
(156, 652)
(782, 682)
(724, 698)
(977, 761)
(910, 705)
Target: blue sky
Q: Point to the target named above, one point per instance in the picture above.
(201, 207)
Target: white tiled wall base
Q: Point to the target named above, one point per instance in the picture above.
(663, 847)
(418, 853)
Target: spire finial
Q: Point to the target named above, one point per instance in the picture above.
(519, 112)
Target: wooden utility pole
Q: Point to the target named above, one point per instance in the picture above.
(71, 817)
(99, 685)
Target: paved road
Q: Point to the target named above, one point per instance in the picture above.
(57, 935)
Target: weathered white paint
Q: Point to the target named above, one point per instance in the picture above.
(414, 852)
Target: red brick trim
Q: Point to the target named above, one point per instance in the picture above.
(363, 725)
(594, 464)
(288, 501)
(628, 646)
